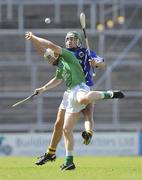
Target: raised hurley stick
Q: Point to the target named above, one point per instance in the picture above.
(24, 100)
(83, 25)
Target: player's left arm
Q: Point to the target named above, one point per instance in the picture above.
(96, 61)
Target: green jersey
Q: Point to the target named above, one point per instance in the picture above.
(69, 69)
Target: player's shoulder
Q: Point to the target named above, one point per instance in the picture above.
(81, 49)
(92, 51)
(66, 51)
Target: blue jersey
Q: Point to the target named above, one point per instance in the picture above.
(83, 57)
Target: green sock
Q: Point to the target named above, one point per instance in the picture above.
(69, 160)
(107, 94)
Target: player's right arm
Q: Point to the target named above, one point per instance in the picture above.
(50, 85)
(96, 61)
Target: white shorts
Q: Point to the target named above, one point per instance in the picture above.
(69, 101)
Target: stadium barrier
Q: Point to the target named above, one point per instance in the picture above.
(140, 143)
(106, 144)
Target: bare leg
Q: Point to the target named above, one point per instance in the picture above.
(88, 123)
(56, 137)
(58, 129)
(69, 123)
(88, 117)
(93, 96)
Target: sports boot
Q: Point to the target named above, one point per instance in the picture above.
(87, 136)
(67, 167)
(45, 158)
(118, 94)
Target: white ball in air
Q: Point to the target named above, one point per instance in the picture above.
(47, 20)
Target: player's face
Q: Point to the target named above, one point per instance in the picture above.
(71, 42)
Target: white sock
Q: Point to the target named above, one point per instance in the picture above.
(69, 153)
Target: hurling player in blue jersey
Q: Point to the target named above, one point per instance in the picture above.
(73, 43)
(82, 55)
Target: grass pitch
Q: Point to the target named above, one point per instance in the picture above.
(88, 168)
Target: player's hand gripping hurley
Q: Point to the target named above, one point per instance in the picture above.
(24, 100)
(83, 25)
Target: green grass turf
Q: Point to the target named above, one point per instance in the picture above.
(88, 168)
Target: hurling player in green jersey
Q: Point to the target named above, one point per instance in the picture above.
(78, 93)
(73, 43)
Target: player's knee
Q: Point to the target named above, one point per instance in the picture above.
(84, 100)
(66, 130)
(58, 125)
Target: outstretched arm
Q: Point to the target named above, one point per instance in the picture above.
(50, 85)
(42, 44)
